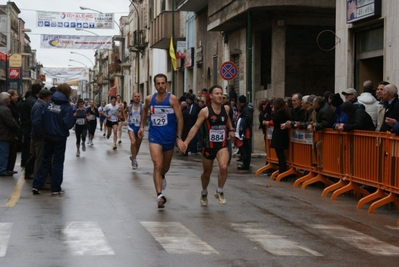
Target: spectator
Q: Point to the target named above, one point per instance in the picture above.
(265, 114)
(232, 92)
(297, 113)
(193, 111)
(206, 97)
(25, 111)
(336, 106)
(358, 119)
(37, 134)
(57, 119)
(391, 103)
(280, 140)
(310, 114)
(324, 119)
(350, 94)
(324, 115)
(12, 157)
(8, 130)
(368, 100)
(381, 108)
(246, 116)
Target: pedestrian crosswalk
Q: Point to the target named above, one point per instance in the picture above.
(5, 233)
(88, 239)
(272, 243)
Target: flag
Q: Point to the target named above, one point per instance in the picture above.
(172, 54)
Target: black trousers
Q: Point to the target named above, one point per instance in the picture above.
(282, 163)
(246, 151)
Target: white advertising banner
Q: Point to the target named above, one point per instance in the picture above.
(68, 75)
(75, 41)
(53, 19)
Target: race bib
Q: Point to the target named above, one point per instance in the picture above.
(216, 135)
(135, 120)
(92, 117)
(159, 119)
(81, 121)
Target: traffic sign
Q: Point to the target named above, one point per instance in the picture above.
(228, 71)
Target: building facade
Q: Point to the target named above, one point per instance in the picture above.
(368, 34)
(279, 47)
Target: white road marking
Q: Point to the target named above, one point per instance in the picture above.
(86, 238)
(274, 244)
(5, 233)
(175, 238)
(359, 240)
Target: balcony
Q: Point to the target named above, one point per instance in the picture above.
(27, 75)
(191, 5)
(161, 30)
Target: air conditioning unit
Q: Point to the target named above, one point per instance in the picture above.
(137, 40)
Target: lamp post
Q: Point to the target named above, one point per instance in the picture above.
(74, 53)
(137, 46)
(79, 29)
(78, 62)
(122, 48)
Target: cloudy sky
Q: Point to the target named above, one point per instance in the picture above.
(60, 57)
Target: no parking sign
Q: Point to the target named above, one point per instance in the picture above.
(228, 71)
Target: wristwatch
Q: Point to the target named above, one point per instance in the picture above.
(178, 136)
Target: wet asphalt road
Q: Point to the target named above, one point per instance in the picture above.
(109, 217)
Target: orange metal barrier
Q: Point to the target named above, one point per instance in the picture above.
(346, 162)
(271, 156)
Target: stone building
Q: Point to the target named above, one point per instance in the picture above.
(279, 47)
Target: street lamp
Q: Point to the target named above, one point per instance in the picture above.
(88, 8)
(78, 62)
(79, 29)
(137, 46)
(82, 56)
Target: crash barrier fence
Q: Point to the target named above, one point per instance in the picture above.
(343, 162)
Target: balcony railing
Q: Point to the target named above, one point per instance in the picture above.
(161, 30)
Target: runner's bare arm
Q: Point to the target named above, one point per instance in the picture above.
(144, 115)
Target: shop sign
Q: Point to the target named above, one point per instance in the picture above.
(14, 73)
(361, 9)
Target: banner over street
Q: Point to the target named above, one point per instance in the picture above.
(75, 41)
(51, 19)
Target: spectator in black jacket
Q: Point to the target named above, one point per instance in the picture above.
(297, 113)
(391, 104)
(25, 112)
(12, 157)
(358, 118)
(324, 119)
(247, 112)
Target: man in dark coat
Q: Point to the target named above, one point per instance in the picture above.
(247, 112)
(8, 129)
(391, 103)
(25, 111)
(358, 119)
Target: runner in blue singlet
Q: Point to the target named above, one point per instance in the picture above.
(166, 125)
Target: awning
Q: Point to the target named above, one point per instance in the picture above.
(112, 91)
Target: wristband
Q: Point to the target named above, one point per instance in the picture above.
(178, 136)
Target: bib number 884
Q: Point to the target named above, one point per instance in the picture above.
(216, 135)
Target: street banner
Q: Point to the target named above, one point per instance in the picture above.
(52, 19)
(302, 137)
(66, 74)
(75, 41)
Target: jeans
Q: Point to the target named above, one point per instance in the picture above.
(4, 150)
(53, 149)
